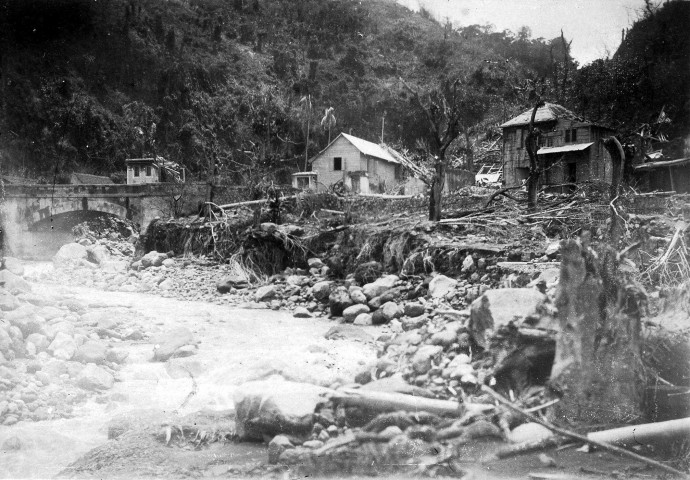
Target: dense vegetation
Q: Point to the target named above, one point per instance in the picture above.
(239, 85)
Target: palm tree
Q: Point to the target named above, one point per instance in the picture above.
(306, 108)
(328, 121)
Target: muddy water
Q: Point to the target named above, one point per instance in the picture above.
(235, 345)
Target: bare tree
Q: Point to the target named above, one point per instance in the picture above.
(532, 146)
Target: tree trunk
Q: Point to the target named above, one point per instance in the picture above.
(532, 146)
(615, 149)
(470, 152)
(597, 367)
(436, 190)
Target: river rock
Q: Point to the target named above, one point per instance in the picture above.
(414, 309)
(391, 311)
(529, 432)
(40, 341)
(167, 344)
(93, 377)
(348, 332)
(8, 302)
(351, 312)
(63, 347)
(70, 253)
(92, 351)
(440, 286)
(301, 312)
(380, 286)
(321, 290)
(265, 293)
(363, 320)
(98, 254)
(228, 282)
(28, 324)
(496, 308)
(153, 259)
(277, 446)
(468, 264)
(274, 406)
(13, 283)
(315, 263)
(5, 342)
(358, 296)
(421, 361)
(338, 301)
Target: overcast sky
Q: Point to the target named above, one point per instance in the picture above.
(593, 25)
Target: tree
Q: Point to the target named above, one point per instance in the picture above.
(449, 110)
(306, 113)
(532, 146)
(328, 121)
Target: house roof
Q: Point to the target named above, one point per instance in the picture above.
(88, 179)
(364, 146)
(549, 112)
(575, 147)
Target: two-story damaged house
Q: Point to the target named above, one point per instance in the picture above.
(362, 166)
(570, 150)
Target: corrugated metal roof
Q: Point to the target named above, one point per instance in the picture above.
(576, 147)
(547, 113)
(364, 146)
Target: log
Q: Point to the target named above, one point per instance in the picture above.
(527, 447)
(390, 402)
(248, 203)
(590, 441)
(644, 434)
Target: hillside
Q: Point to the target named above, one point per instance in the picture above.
(86, 85)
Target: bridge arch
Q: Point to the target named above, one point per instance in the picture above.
(50, 208)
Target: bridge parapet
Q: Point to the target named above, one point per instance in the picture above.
(103, 191)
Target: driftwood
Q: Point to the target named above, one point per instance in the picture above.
(528, 447)
(390, 402)
(644, 434)
(585, 439)
(248, 203)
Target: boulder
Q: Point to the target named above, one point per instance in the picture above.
(275, 406)
(553, 249)
(153, 259)
(396, 384)
(28, 324)
(40, 341)
(338, 301)
(351, 312)
(529, 432)
(380, 286)
(440, 286)
(358, 296)
(468, 264)
(421, 361)
(363, 319)
(167, 344)
(8, 302)
(5, 342)
(14, 265)
(321, 290)
(496, 308)
(315, 263)
(63, 347)
(167, 284)
(13, 283)
(301, 312)
(93, 377)
(265, 293)
(70, 253)
(348, 332)
(414, 309)
(391, 311)
(228, 282)
(277, 446)
(92, 351)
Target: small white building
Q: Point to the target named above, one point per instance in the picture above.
(153, 170)
(304, 180)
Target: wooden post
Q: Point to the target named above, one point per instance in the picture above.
(670, 174)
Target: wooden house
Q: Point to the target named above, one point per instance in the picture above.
(362, 166)
(153, 170)
(571, 148)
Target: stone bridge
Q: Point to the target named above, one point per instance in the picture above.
(31, 209)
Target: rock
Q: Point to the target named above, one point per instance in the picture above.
(265, 293)
(363, 319)
(444, 338)
(63, 347)
(40, 341)
(8, 302)
(116, 355)
(167, 344)
(5, 342)
(421, 361)
(14, 265)
(321, 290)
(414, 322)
(13, 283)
(414, 309)
(358, 296)
(93, 377)
(97, 254)
(313, 444)
(169, 262)
(396, 384)
(380, 286)
(27, 324)
(166, 284)
(275, 406)
(12, 443)
(277, 446)
(468, 264)
(294, 456)
(440, 286)
(352, 312)
(391, 432)
(315, 263)
(391, 311)
(297, 280)
(92, 351)
(301, 312)
(153, 259)
(348, 332)
(338, 301)
(529, 432)
(496, 308)
(553, 249)
(70, 253)
(268, 227)
(228, 282)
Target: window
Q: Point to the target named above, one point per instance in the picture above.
(522, 138)
(571, 135)
(337, 163)
(136, 170)
(148, 170)
(549, 141)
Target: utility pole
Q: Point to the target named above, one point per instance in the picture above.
(383, 124)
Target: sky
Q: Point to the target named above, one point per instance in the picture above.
(593, 25)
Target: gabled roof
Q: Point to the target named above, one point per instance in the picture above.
(364, 146)
(550, 112)
(575, 147)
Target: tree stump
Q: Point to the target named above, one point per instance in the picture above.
(597, 368)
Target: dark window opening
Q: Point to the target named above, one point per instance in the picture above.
(549, 141)
(148, 170)
(136, 170)
(573, 135)
(522, 138)
(337, 163)
(567, 136)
